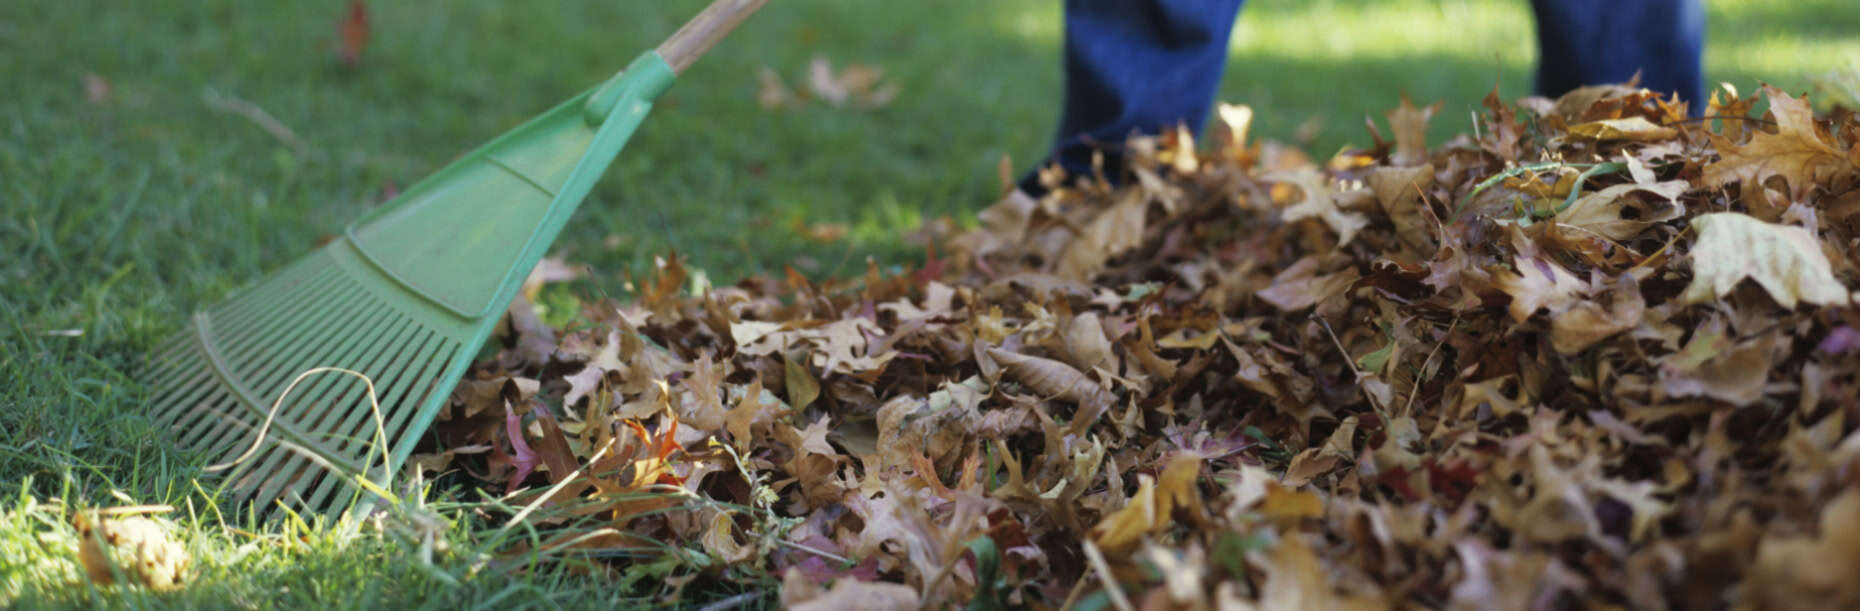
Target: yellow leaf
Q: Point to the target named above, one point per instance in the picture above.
(1191, 339)
(1282, 503)
(720, 539)
(1783, 259)
(1230, 130)
(1151, 509)
(136, 546)
(1125, 527)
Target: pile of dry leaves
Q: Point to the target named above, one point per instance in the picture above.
(1596, 354)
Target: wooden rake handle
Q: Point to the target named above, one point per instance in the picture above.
(703, 31)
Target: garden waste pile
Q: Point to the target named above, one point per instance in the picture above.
(1598, 353)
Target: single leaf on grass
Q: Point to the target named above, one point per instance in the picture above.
(96, 88)
(1783, 259)
(720, 539)
(856, 85)
(1800, 151)
(352, 34)
(772, 93)
(136, 546)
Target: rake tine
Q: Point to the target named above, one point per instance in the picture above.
(241, 351)
(325, 398)
(407, 375)
(275, 371)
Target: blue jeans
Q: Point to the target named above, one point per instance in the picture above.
(1146, 65)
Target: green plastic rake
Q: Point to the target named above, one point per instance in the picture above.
(405, 297)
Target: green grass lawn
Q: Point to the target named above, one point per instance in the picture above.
(119, 217)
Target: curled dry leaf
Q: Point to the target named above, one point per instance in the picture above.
(1629, 128)
(1613, 214)
(136, 546)
(1054, 379)
(1785, 260)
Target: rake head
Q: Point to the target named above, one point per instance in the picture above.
(217, 383)
(405, 298)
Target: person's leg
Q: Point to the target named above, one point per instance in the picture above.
(1591, 42)
(1135, 65)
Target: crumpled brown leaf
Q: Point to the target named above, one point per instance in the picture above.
(1801, 152)
(135, 545)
